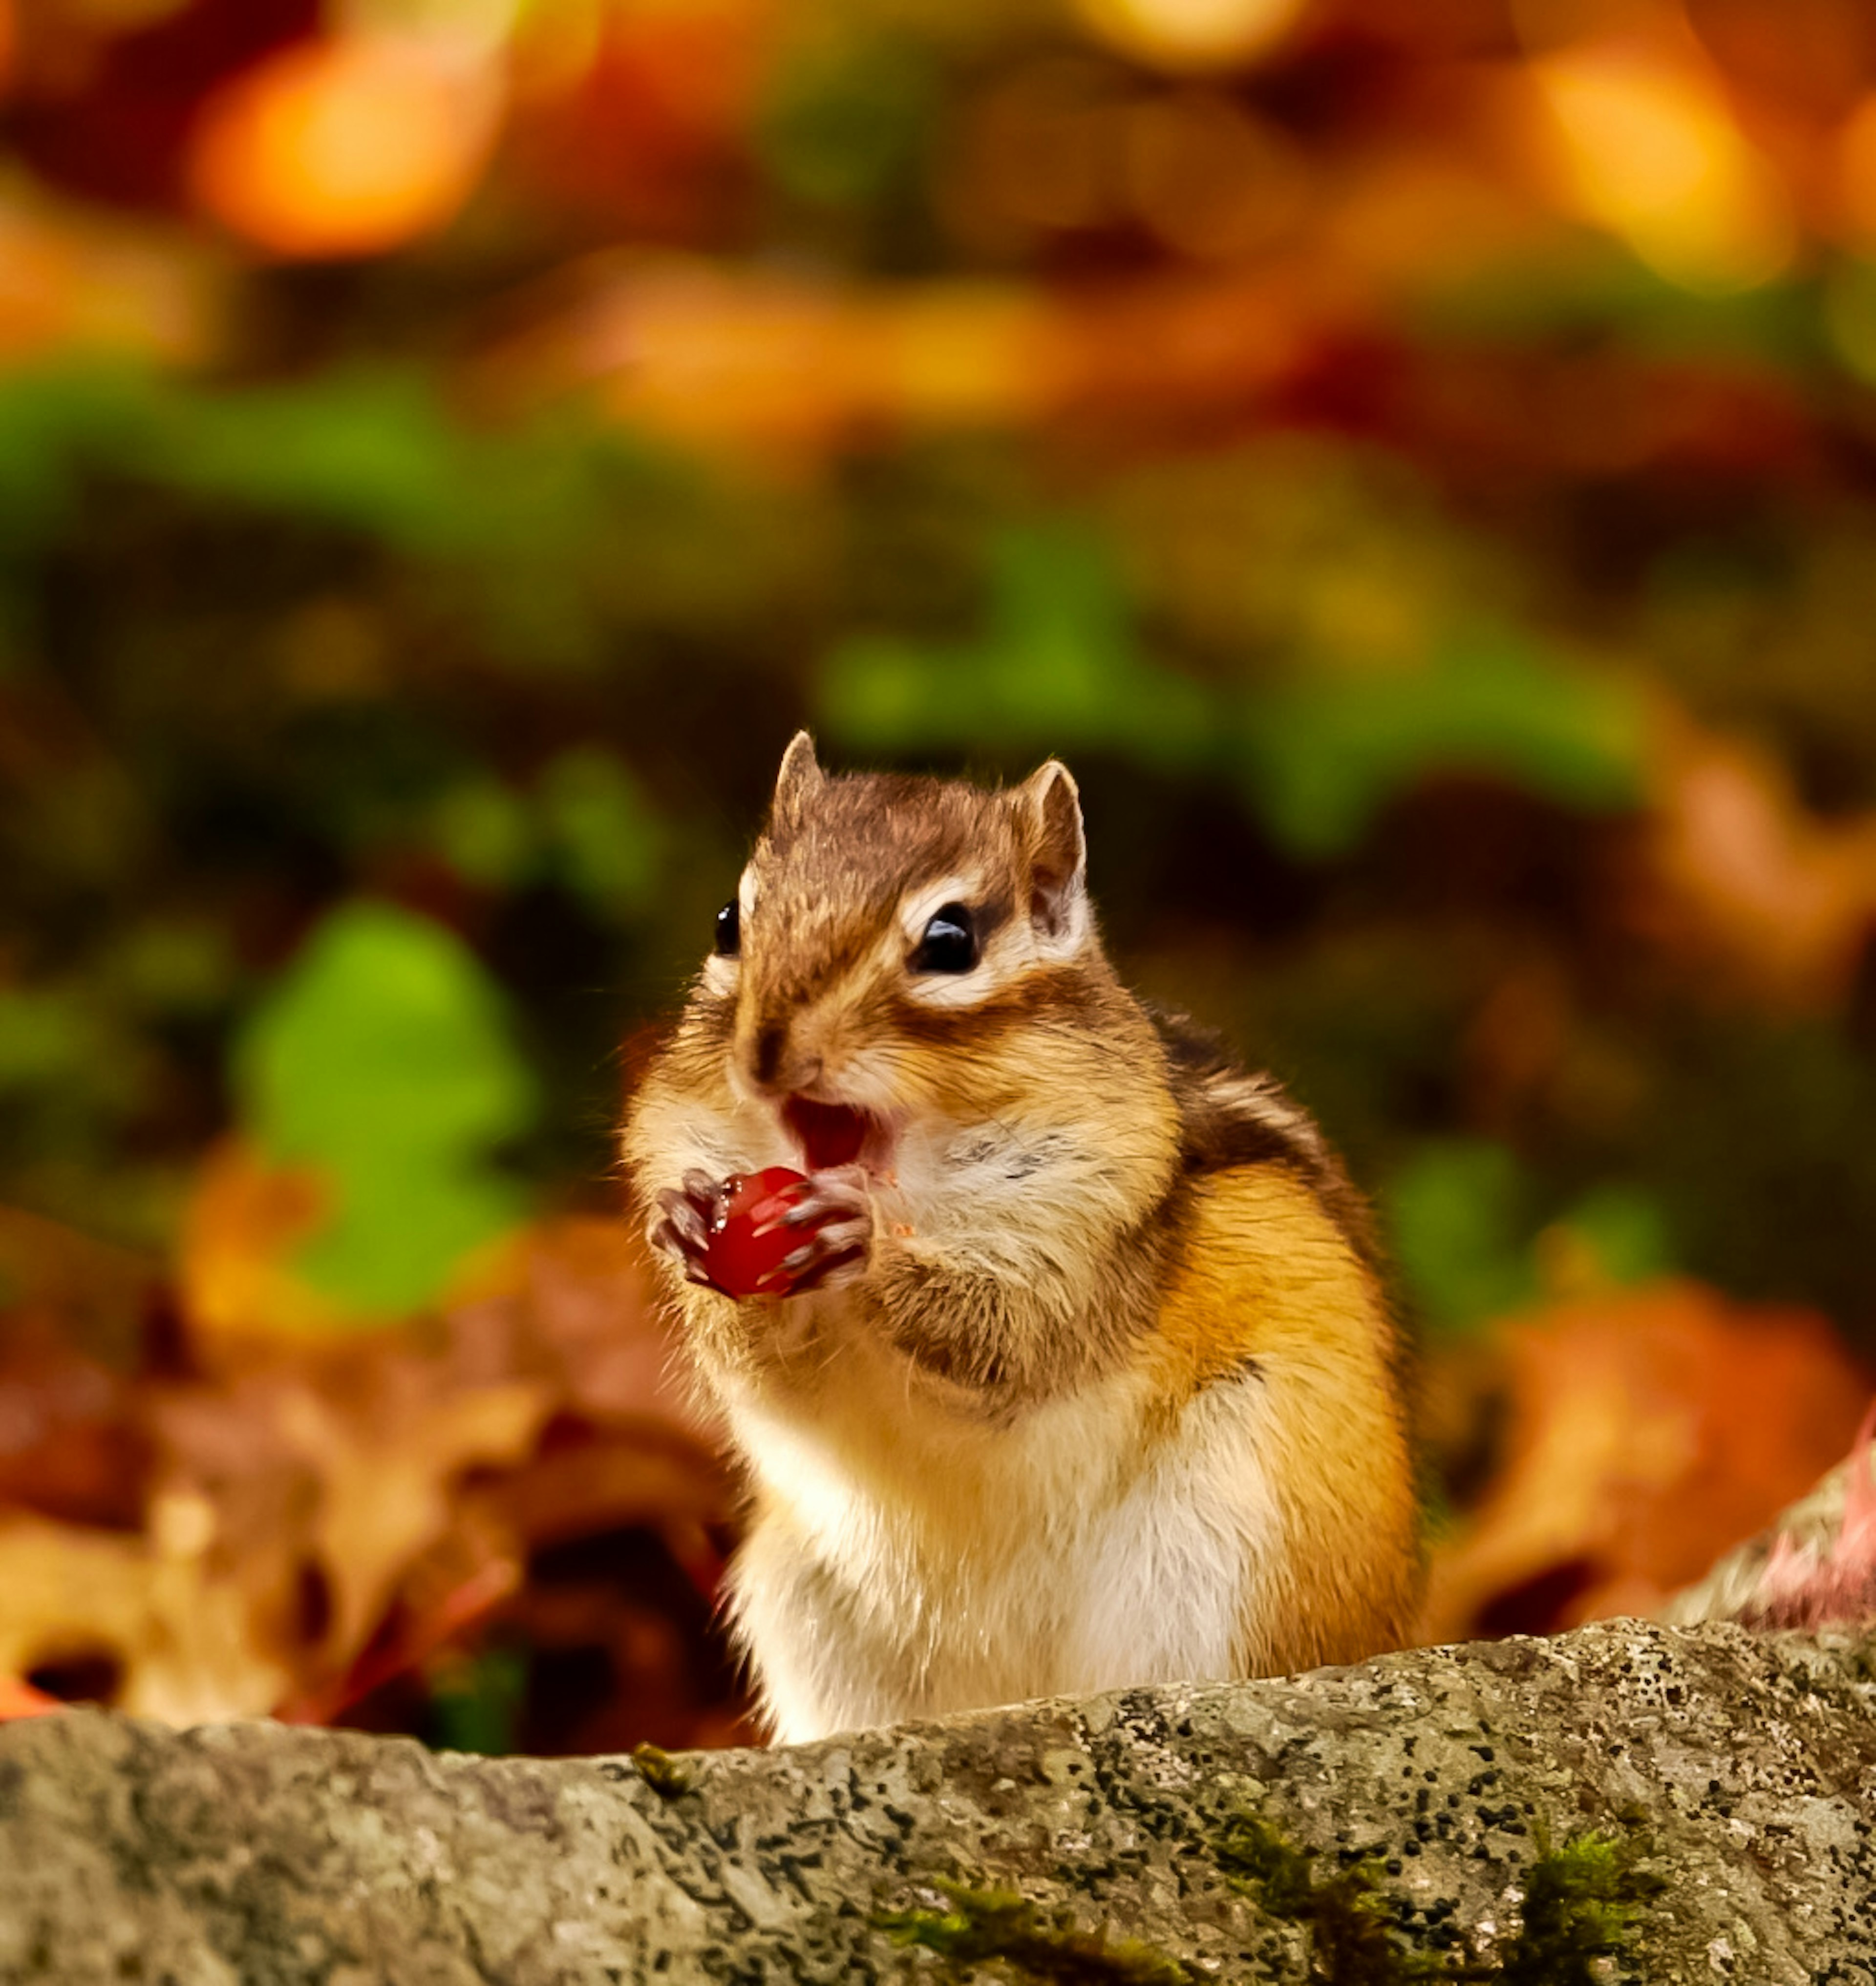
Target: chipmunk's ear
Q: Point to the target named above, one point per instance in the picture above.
(1048, 808)
(797, 783)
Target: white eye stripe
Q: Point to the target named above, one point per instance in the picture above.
(1002, 959)
(949, 989)
(720, 974)
(915, 912)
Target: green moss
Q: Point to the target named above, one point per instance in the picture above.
(1353, 1942)
(985, 1924)
(1579, 1904)
(660, 1771)
(1581, 1901)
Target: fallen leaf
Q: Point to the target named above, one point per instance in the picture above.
(174, 1639)
(1739, 878)
(1644, 1432)
(21, 1699)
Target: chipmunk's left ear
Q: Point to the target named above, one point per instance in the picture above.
(1048, 808)
(797, 783)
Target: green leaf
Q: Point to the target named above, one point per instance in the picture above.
(482, 829)
(847, 121)
(1322, 753)
(381, 1059)
(1459, 1213)
(1624, 1231)
(1056, 668)
(477, 1701)
(45, 1040)
(608, 840)
(370, 448)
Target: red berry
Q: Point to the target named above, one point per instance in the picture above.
(748, 1241)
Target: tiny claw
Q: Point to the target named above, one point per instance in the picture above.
(829, 1195)
(835, 1248)
(682, 1213)
(682, 1224)
(706, 1193)
(842, 1266)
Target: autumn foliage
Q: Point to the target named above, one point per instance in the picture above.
(1417, 462)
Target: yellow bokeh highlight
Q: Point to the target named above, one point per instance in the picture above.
(348, 145)
(1650, 150)
(1191, 34)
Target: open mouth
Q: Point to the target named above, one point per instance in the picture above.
(833, 1134)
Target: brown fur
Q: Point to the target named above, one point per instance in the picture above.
(1265, 1283)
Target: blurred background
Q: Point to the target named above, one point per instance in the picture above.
(1415, 459)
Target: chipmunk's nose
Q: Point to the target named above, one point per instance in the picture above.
(774, 1059)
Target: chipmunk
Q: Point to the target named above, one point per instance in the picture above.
(1084, 1376)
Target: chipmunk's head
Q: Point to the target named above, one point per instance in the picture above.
(883, 923)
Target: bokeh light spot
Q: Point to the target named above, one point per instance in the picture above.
(345, 146)
(1650, 150)
(1191, 34)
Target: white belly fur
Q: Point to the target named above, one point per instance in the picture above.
(905, 1561)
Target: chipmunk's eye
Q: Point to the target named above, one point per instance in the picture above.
(729, 930)
(949, 944)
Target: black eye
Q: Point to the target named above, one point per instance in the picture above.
(949, 944)
(729, 930)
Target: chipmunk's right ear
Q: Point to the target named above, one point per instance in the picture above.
(1050, 807)
(797, 783)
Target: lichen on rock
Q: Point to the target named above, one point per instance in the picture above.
(1500, 1811)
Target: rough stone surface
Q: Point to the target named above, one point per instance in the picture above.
(1741, 1768)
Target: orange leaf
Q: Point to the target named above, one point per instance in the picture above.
(21, 1699)
(1646, 1433)
(1741, 876)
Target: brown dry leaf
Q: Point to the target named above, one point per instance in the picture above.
(632, 1443)
(454, 1587)
(321, 1515)
(70, 1444)
(246, 1220)
(589, 1304)
(150, 1608)
(386, 1474)
(1739, 875)
(98, 1291)
(330, 1479)
(240, 1288)
(1645, 1431)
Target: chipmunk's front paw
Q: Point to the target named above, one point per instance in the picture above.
(685, 1218)
(768, 1234)
(835, 1212)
